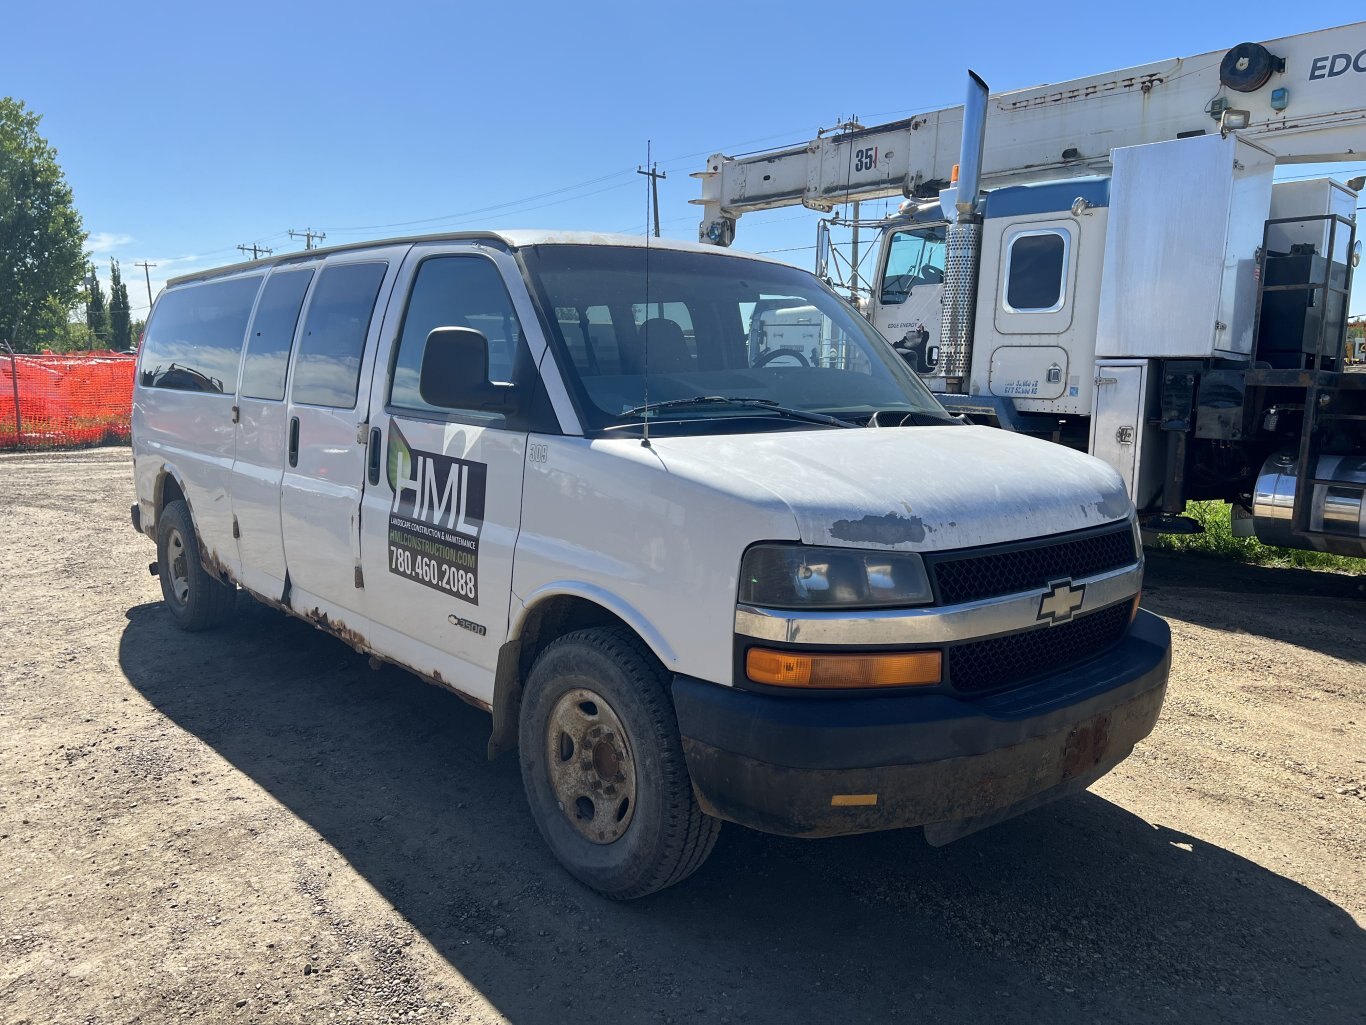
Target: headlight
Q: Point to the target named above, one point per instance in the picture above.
(801, 577)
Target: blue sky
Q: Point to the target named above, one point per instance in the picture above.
(187, 129)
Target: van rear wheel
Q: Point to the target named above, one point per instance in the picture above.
(196, 600)
(603, 767)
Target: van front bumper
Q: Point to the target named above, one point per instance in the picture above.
(804, 766)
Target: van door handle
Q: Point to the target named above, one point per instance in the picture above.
(293, 441)
(374, 455)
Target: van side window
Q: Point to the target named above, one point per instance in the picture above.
(1036, 271)
(454, 291)
(327, 369)
(272, 335)
(194, 341)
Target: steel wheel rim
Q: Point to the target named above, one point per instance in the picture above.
(175, 558)
(592, 771)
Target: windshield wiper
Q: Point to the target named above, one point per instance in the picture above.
(769, 405)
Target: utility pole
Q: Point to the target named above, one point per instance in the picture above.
(654, 174)
(308, 235)
(853, 258)
(256, 251)
(147, 273)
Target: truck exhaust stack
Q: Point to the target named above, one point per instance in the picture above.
(964, 242)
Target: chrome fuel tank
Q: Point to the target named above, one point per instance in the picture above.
(1337, 513)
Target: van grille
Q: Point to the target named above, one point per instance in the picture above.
(975, 574)
(1012, 659)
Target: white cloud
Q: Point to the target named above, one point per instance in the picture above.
(104, 242)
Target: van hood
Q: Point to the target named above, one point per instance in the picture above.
(908, 488)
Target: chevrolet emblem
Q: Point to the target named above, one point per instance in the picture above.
(1060, 601)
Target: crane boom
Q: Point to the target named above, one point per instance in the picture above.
(1304, 104)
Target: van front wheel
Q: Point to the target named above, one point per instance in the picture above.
(196, 600)
(603, 767)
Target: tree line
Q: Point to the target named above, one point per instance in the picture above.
(45, 271)
(111, 321)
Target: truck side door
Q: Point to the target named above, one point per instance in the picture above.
(442, 505)
(325, 435)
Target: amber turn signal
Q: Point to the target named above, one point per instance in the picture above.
(792, 669)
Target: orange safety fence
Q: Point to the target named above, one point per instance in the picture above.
(65, 401)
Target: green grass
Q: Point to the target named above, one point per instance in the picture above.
(1218, 542)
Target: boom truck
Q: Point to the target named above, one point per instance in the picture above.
(1109, 263)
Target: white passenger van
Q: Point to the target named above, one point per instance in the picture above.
(693, 576)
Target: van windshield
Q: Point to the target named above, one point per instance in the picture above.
(710, 328)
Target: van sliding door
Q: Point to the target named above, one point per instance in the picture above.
(325, 433)
(262, 430)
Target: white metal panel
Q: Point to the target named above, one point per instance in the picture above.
(1186, 220)
(1312, 198)
(1029, 371)
(1248, 208)
(189, 435)
(1120, 433)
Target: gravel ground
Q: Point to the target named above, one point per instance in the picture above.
(254, 826)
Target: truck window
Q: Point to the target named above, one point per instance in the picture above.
(914, 257)
(327, 369)
(194, 342)
(272, 335)
(1036, 271)
(454, 291)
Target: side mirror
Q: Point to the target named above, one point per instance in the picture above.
(455, 372)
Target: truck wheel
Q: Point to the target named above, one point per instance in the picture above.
(603, 767)
(196, 600)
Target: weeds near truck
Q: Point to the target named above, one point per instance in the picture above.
(1219, 542)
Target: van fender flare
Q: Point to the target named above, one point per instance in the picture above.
(167, 471)
(512, 661)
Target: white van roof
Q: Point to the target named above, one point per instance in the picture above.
(513, 239)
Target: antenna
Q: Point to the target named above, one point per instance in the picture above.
(645, 342)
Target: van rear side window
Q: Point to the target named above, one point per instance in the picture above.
(272, 335)
(194, 341)
(327, 370)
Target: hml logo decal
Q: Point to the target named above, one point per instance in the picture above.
(436, 518)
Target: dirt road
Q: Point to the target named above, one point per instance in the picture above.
(253, 826)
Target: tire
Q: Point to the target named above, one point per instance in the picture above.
(196, 600)
(597, 726)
